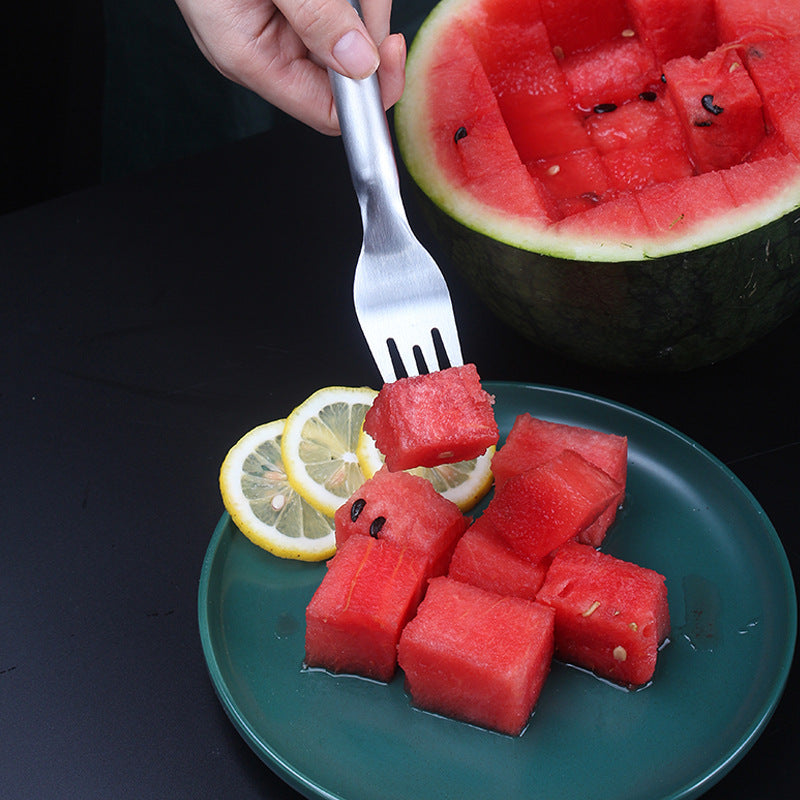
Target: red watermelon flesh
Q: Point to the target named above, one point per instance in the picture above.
(675, 28)
(719, 106)
(620, 216)
(641, 143)
(565, 58)
(611, 615)
(426, 420)
(634, 124)
(406, 510)
(614, 71)
(745, 19)
(477, 656)
(575, 25)
(538, 510)
(531, 91)
(684, 203)
(482, 558)
(354, 620)
(464, 139)
(775, 69)
(575, 181)
(749, 182)
(532, 442)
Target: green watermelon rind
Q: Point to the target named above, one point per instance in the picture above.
(619, 304)
(636, 314)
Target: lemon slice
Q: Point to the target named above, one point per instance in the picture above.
(264, 506)
(319, 445)
(465, 482)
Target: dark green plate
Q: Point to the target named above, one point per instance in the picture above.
(734, 621)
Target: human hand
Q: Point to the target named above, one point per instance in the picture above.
(281, 49)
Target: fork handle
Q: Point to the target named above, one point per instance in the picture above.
(367, 143)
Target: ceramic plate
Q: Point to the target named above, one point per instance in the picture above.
(734, 618)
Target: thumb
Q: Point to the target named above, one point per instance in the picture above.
(334, 33)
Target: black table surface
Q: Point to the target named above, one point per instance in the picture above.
(144, 326)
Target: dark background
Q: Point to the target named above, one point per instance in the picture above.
(95, 90)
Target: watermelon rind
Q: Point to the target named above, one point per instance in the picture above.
(669, 303)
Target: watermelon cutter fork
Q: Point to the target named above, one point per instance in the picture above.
(401, 298)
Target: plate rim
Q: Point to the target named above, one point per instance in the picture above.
(303, 784)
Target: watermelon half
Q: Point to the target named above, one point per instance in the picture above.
(618, 179)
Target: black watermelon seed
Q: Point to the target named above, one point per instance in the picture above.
(663, 78)
(707, 102)
(702, 123)
(357, 508)
(650, 97)
(460, 134)
(605, 108)
(376, 525)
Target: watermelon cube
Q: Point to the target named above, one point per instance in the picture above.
(611, 615)
(406, 510)
(532, 442)
(550, 127)
(675, 28)
(354, 620)
(575, 25)
(482, 558)
(774, 66)
(432, 419)
(746, 20)
(538, 510)
(531, 92)
(719, 107)
(612, 72)
(620, 216)
(576, 181)
(752, 182)
(679, 206)
(476, 655)
(466, 123)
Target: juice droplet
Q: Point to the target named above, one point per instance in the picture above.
(285, 626)
(703, 607)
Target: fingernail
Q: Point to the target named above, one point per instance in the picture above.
(356, 55)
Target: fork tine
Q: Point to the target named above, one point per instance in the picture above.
(429, 354)
(405, 352)
(450, 342)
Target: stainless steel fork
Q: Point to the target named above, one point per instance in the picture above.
(401, 298)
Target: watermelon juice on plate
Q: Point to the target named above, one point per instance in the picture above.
(733, 612)
(616, 178)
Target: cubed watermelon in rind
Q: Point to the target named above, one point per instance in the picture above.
(745, 19)
(674, 28)
(719, 107)
(611, 615)
(477, 656)
(467, 124)
(685, 204)
(612, 72)
(575, 181)
(750, 182)
(575, 25)
(620, 216)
